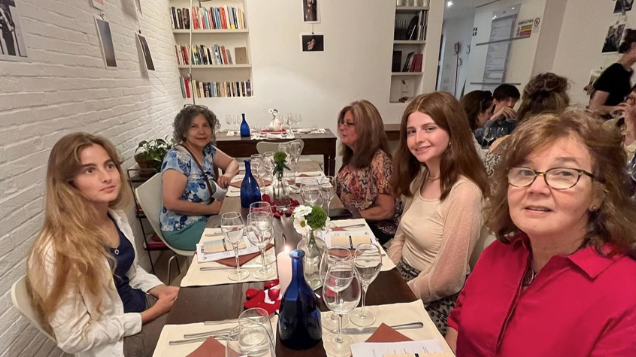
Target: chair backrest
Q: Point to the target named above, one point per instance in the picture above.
(22, 301)
(485, 238)
(150, 197)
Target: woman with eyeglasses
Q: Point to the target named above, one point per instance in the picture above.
(363, 179)
(561, 279)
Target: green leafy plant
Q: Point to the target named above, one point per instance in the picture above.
(279, 163)
(150, 153)
(317, 218)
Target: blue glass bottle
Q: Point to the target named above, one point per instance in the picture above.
(245, 129)
(250, 192)
(299, 325)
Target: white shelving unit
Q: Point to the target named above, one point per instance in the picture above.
(215, 67)
(219, 31)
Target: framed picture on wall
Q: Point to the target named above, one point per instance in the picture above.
(12, 45)
(146, 51)
(106, 39)
(623, 4)
(311, 11)
(312, 42)
(98, 4)
(613, 38)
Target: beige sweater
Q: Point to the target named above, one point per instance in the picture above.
(438, 238)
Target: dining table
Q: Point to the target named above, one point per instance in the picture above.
(222, 302)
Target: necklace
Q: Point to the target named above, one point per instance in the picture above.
(433, 178)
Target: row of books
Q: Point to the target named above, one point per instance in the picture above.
(413, 62)
(212, 55)
(215, 89)
(201, 18)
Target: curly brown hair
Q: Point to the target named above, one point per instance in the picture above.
(546, 92)
(615, 221)
(475, 103)
(371, 135)
(184, 118)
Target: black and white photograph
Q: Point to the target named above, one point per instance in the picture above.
(106, 39)
(144, 48)
(620, 4)
(311, 12)
(613, 38)
(11, 42)
(312, 42)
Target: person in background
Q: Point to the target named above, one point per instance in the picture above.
(363, 180)
(561, 278)
(189, 181)
(545, 93)
(478, 106)
(614, 84)
(625, 122)
(82, 272)
(443, 182)
(503, 114)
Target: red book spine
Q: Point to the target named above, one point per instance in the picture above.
(223, 17)
(187, 86)
(224, 55)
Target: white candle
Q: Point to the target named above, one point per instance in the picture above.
(283, 263)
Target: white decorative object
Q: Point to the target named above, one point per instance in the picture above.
(283, 262)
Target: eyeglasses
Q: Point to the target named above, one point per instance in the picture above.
(558, 178)
(345, 124)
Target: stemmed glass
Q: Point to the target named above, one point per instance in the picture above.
(330, 257)
(368, 261)
(232, 227)
(228, 120)
(296, 151)
(489, 135)
(328, 190)
(298, 119)
(257, 316)
(256, 160)
(501, 132)
(289, 119)
(310, 191)
(249, 340)
(263, 206)
(237, 121)
(260, 234)
(341, 294)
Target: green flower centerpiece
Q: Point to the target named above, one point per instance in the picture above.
(307, 221)
(280, 188)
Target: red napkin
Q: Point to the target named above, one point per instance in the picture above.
(274, 131)
(231, 262)
(210, 348)
(385, 333)
(237, 184)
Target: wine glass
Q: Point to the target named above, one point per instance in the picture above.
(232, 227)
(330, 257)
(256, 160)
(262, 206)
(296, 151)
(258, 316)
(341, 294)
(237, 121)
(368, 261)
(260, 234)
(328, 190)
(289, 119)
(310, 191)
(249, 340)
(298, 119)
(489, 135)
(501, 132)
(228, 120)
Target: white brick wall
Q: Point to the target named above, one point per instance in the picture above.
(63, 88)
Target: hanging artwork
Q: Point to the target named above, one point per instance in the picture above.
(98, 4)
(311, 12)
(623, 4)
(312, 42)
(613, 38)
(106, 39)
(11, 42)
(146, 51)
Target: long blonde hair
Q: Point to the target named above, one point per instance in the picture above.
(69, 235)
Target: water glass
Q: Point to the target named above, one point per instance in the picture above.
(228, 121)
(327, 190)
(489, 135)
(233, 228)
(341, 294)
(258, 316)
(367, 260)
(332, 256)
(310, 191)
(249, 340)
(260, 233)
(296, 151)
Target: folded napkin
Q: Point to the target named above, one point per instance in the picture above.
(231, 262)
(210, 348)
(237, 184)
(385, 333)
(231, 133)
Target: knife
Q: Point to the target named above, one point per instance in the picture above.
(246, 266)
(365, 330)
(192, 340)
(208, 333)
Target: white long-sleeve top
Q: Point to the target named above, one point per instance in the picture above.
(78, 327)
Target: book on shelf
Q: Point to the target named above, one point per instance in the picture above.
(240, 55)
(202, 89)
(407, 63)
(397, 60)
(204, 18)
(204, 55)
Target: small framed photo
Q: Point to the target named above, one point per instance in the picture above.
(12, 47)
(312, 42)
(106, 39)
(98, 4)
(146, 51)
(623, 5)
(613, 38)
(311, 11)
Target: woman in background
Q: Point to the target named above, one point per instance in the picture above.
(478, 106)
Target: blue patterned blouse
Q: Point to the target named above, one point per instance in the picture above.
(196, 190)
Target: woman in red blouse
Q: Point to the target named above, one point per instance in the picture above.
(561, 279)
(363, 179)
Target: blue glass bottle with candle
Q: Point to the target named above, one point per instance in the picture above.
(299, 325)
(250, 192)
(245, 129)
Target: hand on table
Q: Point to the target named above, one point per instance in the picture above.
(224, 181)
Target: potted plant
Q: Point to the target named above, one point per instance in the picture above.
(149, 155)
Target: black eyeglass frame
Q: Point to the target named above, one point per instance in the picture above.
(545, 178)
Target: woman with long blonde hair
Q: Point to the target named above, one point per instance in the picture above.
(83, 275)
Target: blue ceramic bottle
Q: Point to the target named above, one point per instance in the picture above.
(250, 192)
(245, 129)
(299, 325)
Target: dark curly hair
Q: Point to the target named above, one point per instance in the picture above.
(183, 120)
(545, 93)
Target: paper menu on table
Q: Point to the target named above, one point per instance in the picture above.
(349, 238)
(211, 257)
(380, 349)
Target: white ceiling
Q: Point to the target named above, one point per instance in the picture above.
(463, 8)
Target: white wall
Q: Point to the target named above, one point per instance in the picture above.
(522, 52)
(62, 88)
(456, 30)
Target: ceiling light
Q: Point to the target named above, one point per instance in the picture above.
(449, 4)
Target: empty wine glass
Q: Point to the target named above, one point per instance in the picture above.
(501, 132)
(327, 190)
(262, 206)
(249, 340)
(341, 294)
(310, 191)
(298, 119)
(289, 119)
(296, 151)
(232, 227)
(330, 257)
(368, 261)
(228, 121)
(237, 121)
(258, 316)
(260, 234)
(256, 160)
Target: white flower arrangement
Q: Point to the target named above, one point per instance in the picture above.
(300, 218)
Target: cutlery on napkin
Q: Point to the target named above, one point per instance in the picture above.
(374, 330)
(200, 339)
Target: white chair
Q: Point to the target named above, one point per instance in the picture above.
(485, 238)
(22, 301)
(150, 197)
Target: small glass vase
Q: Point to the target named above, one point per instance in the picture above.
(314, 248)
(280, 192)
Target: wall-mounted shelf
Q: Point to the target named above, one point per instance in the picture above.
(408, 42)
(505, 40)
(212, 31)
(399, 74)
(221, 66)
(403, 9)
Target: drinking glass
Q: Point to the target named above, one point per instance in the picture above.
(501, 132)
(228, 120)
(489, 135)
(330, 257)
(367, 260)
(232, 227)
(256, 160)
(298, 119)
(287, 149)
(262, 206)
(260, 234)
(327, 190)
(341, 294)
(310, 191)
(296, 151)
(631, 168)
(249, 340)
(258, 316)
(237, 121)
(289, 119)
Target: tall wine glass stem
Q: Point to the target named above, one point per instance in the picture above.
(339, 336)
(236, 256)
(365, 287)
(263, 259)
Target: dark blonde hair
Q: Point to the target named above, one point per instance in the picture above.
(545, 93)
(371, 135)
(615, 221)
(460, 158)
(69, 231)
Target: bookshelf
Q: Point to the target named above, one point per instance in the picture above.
(212, 47)
(409, 43)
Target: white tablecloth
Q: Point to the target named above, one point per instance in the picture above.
(387, 264)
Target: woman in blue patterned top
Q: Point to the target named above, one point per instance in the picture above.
(189, 182)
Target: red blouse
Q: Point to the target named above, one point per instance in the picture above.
(583, 304)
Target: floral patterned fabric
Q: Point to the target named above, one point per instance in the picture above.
(196, 190)
(359, 188)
